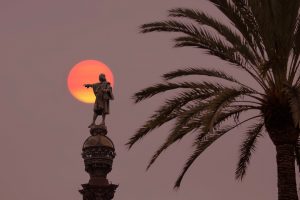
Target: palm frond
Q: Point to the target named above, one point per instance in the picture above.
(185, 123)
(218, 48)
(233, 113)
(204, 140)
(171, 26)
(216, 105)
(197, 37)
(277, 21)
(295, 64)
(198, 71)
(225, 31)
(214, 46)
(203, 39)
(203, 72)
(248, 17)
(247, 148)
(203, 87)
(223, 116)
(238, 19)
(201, 145)
(296, 45)
(189, 121)
(167, 112)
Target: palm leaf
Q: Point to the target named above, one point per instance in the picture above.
(197, 37)
(185, 124)
(295, 64)
(189, 121)
(203, 39)
(204, 140)
(171, 26)
(204, 72)
(201, 146)
(216, 105)
(236, 17)
(296, 45)
(233, 113)
(247, 148)
(248, 17)
(225, 31)
(167, 112)
(277, 21)
(198, 71)
(203, 88)
(214, 46)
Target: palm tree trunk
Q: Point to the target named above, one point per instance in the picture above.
(287, 186)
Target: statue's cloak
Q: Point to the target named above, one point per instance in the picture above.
(101, 105)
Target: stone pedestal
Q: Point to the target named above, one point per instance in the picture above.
(98, 153)
(92, 192)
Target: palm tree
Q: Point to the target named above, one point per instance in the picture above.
(264, 41)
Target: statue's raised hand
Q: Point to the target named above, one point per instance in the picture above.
(87, 85)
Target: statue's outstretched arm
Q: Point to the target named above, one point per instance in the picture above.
(88, 85)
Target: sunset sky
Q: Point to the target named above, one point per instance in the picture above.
(43, 126)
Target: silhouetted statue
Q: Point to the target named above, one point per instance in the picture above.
(103, 93)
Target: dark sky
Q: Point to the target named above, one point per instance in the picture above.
(43, 126)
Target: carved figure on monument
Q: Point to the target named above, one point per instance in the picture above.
(103, 93)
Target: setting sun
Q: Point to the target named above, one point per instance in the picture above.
(84, 72)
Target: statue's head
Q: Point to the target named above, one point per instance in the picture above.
(102, 77)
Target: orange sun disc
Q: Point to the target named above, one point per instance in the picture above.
(87, 72)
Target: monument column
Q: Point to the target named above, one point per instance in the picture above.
(98, 153)
(98, 150)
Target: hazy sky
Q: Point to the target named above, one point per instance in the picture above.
(43, 126)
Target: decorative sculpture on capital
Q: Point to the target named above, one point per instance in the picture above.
(103, 93)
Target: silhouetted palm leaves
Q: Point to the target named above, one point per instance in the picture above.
(264, 41)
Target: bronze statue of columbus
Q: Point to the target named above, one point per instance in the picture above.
(103, 93)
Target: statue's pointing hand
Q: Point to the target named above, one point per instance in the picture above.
(87, 85)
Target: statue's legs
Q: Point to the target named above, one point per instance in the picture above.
(103, 118)
(94, 120)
